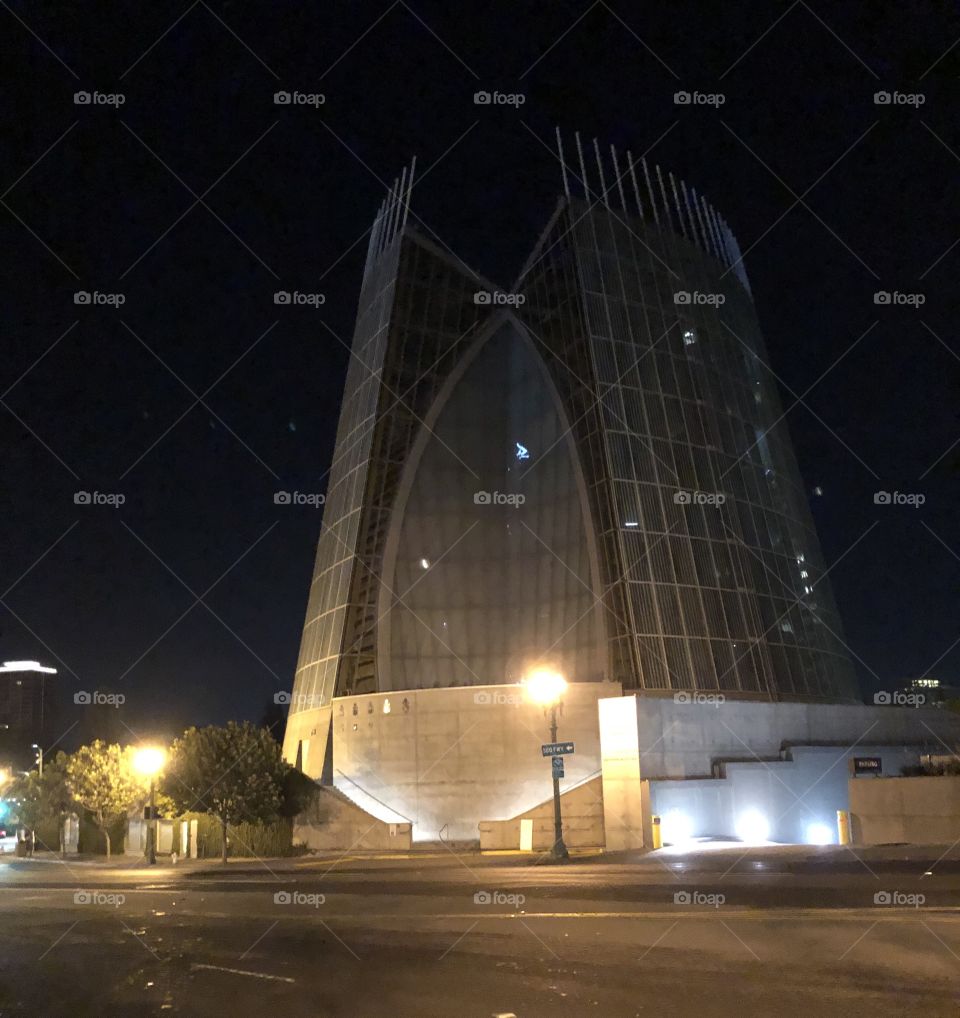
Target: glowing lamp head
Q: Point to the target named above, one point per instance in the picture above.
(545, 686)
(149, 760)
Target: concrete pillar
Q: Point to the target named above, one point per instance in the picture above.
(626, 799)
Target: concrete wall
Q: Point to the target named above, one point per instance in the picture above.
(581, 811)
(924, 810)
(446, 759)
(334, 823)
(797, 797)
(683, 739)
(660, 755)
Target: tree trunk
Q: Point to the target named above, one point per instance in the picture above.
(106, 836)
(223, 839)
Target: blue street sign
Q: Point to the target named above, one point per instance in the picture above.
(556, 748)
(558, 766)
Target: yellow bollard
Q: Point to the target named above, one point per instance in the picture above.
(657, 834)
(843, 826)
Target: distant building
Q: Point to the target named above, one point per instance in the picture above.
(26, 710)
(934, 692)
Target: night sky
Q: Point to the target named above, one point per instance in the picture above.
(198, 198)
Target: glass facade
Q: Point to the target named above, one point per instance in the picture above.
(593, 471)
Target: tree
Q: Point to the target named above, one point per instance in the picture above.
(102, 780)
(234, 773)
(46, 796)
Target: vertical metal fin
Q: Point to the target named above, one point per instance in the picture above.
(616, 170)
(563, 165)
(633, 178)
(603, 183)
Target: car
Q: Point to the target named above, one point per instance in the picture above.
(8, 840)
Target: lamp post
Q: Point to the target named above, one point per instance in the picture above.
(39, 750)
(149, 761)
(546, 687)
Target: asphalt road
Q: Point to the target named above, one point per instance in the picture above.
(717, 933)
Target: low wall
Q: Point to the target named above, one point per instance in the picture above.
(333, 823)
(582, 817)
(917, 811)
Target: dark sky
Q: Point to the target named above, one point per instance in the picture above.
(196, 199)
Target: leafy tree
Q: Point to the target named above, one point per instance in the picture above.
(234, 773)
(101, 778)
(47, 796)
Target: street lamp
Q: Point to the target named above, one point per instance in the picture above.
(149, 761)
(546, 687)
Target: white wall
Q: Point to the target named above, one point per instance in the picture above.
(452, 757)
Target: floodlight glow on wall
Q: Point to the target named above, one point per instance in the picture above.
(819, 834)
(753, 827)
(676, 827)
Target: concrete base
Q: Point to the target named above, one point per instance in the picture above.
(333, 823)
(920, 810)
(581, 811)
(732, 768)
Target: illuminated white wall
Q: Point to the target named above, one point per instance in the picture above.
(445, 759)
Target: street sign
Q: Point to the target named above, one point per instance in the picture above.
(556, 748)
(867, 765)
(558, 766)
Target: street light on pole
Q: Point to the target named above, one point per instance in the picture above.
(546, 687)
(149, 761)
(39, 750)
